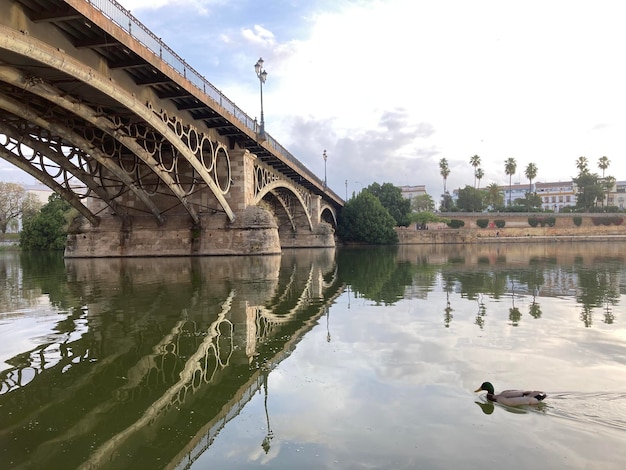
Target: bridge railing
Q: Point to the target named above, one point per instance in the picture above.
(125, 20)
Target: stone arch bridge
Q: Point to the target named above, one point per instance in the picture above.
(155, 160)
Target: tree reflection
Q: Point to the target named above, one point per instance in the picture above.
(376, 274)
(482, 312)
(535, 309)
(514, 314)
(598, 288)
(447, 315)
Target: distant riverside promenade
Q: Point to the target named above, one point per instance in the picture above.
(516, 229)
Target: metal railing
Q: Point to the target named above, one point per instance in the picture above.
(126, 21)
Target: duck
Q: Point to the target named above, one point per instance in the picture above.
(512, 397)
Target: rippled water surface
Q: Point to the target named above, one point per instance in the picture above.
(343, 359)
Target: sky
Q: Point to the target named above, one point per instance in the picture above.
(388, 88)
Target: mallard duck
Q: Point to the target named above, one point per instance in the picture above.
(512, 397)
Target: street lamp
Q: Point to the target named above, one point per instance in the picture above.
(262, 75)
(325, 158)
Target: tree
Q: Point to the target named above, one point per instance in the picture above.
(444, 171)
(470, 199)
(421, 219)
(475, 162)
(608, 182)
(479, 174)
(447, 203)
(48, 229)
(531, 174)
(391, 198)
(11, 197)
(494, 196)
(510, 167)
(422, 203)
(590, 189)
(364, 219)
(31, 205)
(582, 164)
(603, 164)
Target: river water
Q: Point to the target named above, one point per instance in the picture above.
(360, 358)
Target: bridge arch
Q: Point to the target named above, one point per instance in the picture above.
(171, 129)
(290, 207)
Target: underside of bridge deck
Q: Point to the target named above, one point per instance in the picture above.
(135, 139)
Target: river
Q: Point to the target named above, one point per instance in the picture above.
(354, 358)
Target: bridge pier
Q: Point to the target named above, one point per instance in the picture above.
(254, 232)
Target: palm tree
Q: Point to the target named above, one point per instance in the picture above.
(494, 195)
(510, 167)
(531, 174)
(444, 171)
(582, 164)
(479, 174)
(603, 164)
(475, 162)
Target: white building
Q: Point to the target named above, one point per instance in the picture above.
(409, 192)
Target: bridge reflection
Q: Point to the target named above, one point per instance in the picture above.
(155, 356)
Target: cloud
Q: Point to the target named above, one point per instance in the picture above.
(259, 35)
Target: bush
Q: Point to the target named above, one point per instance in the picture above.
(482, 223)
(578, 220)
(608, 220)
(550, 221)
(47, 230)
(456, 223)
(500, 223)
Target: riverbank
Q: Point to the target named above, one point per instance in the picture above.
(516, 230)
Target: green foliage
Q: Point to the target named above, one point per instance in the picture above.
(456, 223)
(578, 220)
(470, 199)
(550, 221)
(608, 220)
(423, 218)
(47, 230)
(422, 203)
(375, 273)
(500, 223)
(590, 190)
(482, 223)
(364, 219)
(390, 197)
(447, 203)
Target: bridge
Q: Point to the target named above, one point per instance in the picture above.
(155, 160)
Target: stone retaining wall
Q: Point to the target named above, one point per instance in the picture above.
(516, 226)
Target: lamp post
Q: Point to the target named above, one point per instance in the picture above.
(346, 190)
(262, 75)
(325, 158)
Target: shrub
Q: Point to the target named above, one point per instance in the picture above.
(578, 220)
(482, 223)
(500, 223)
(613, 219)
(550, 221)
(456, 223)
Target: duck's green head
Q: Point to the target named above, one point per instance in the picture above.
(487, 387)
